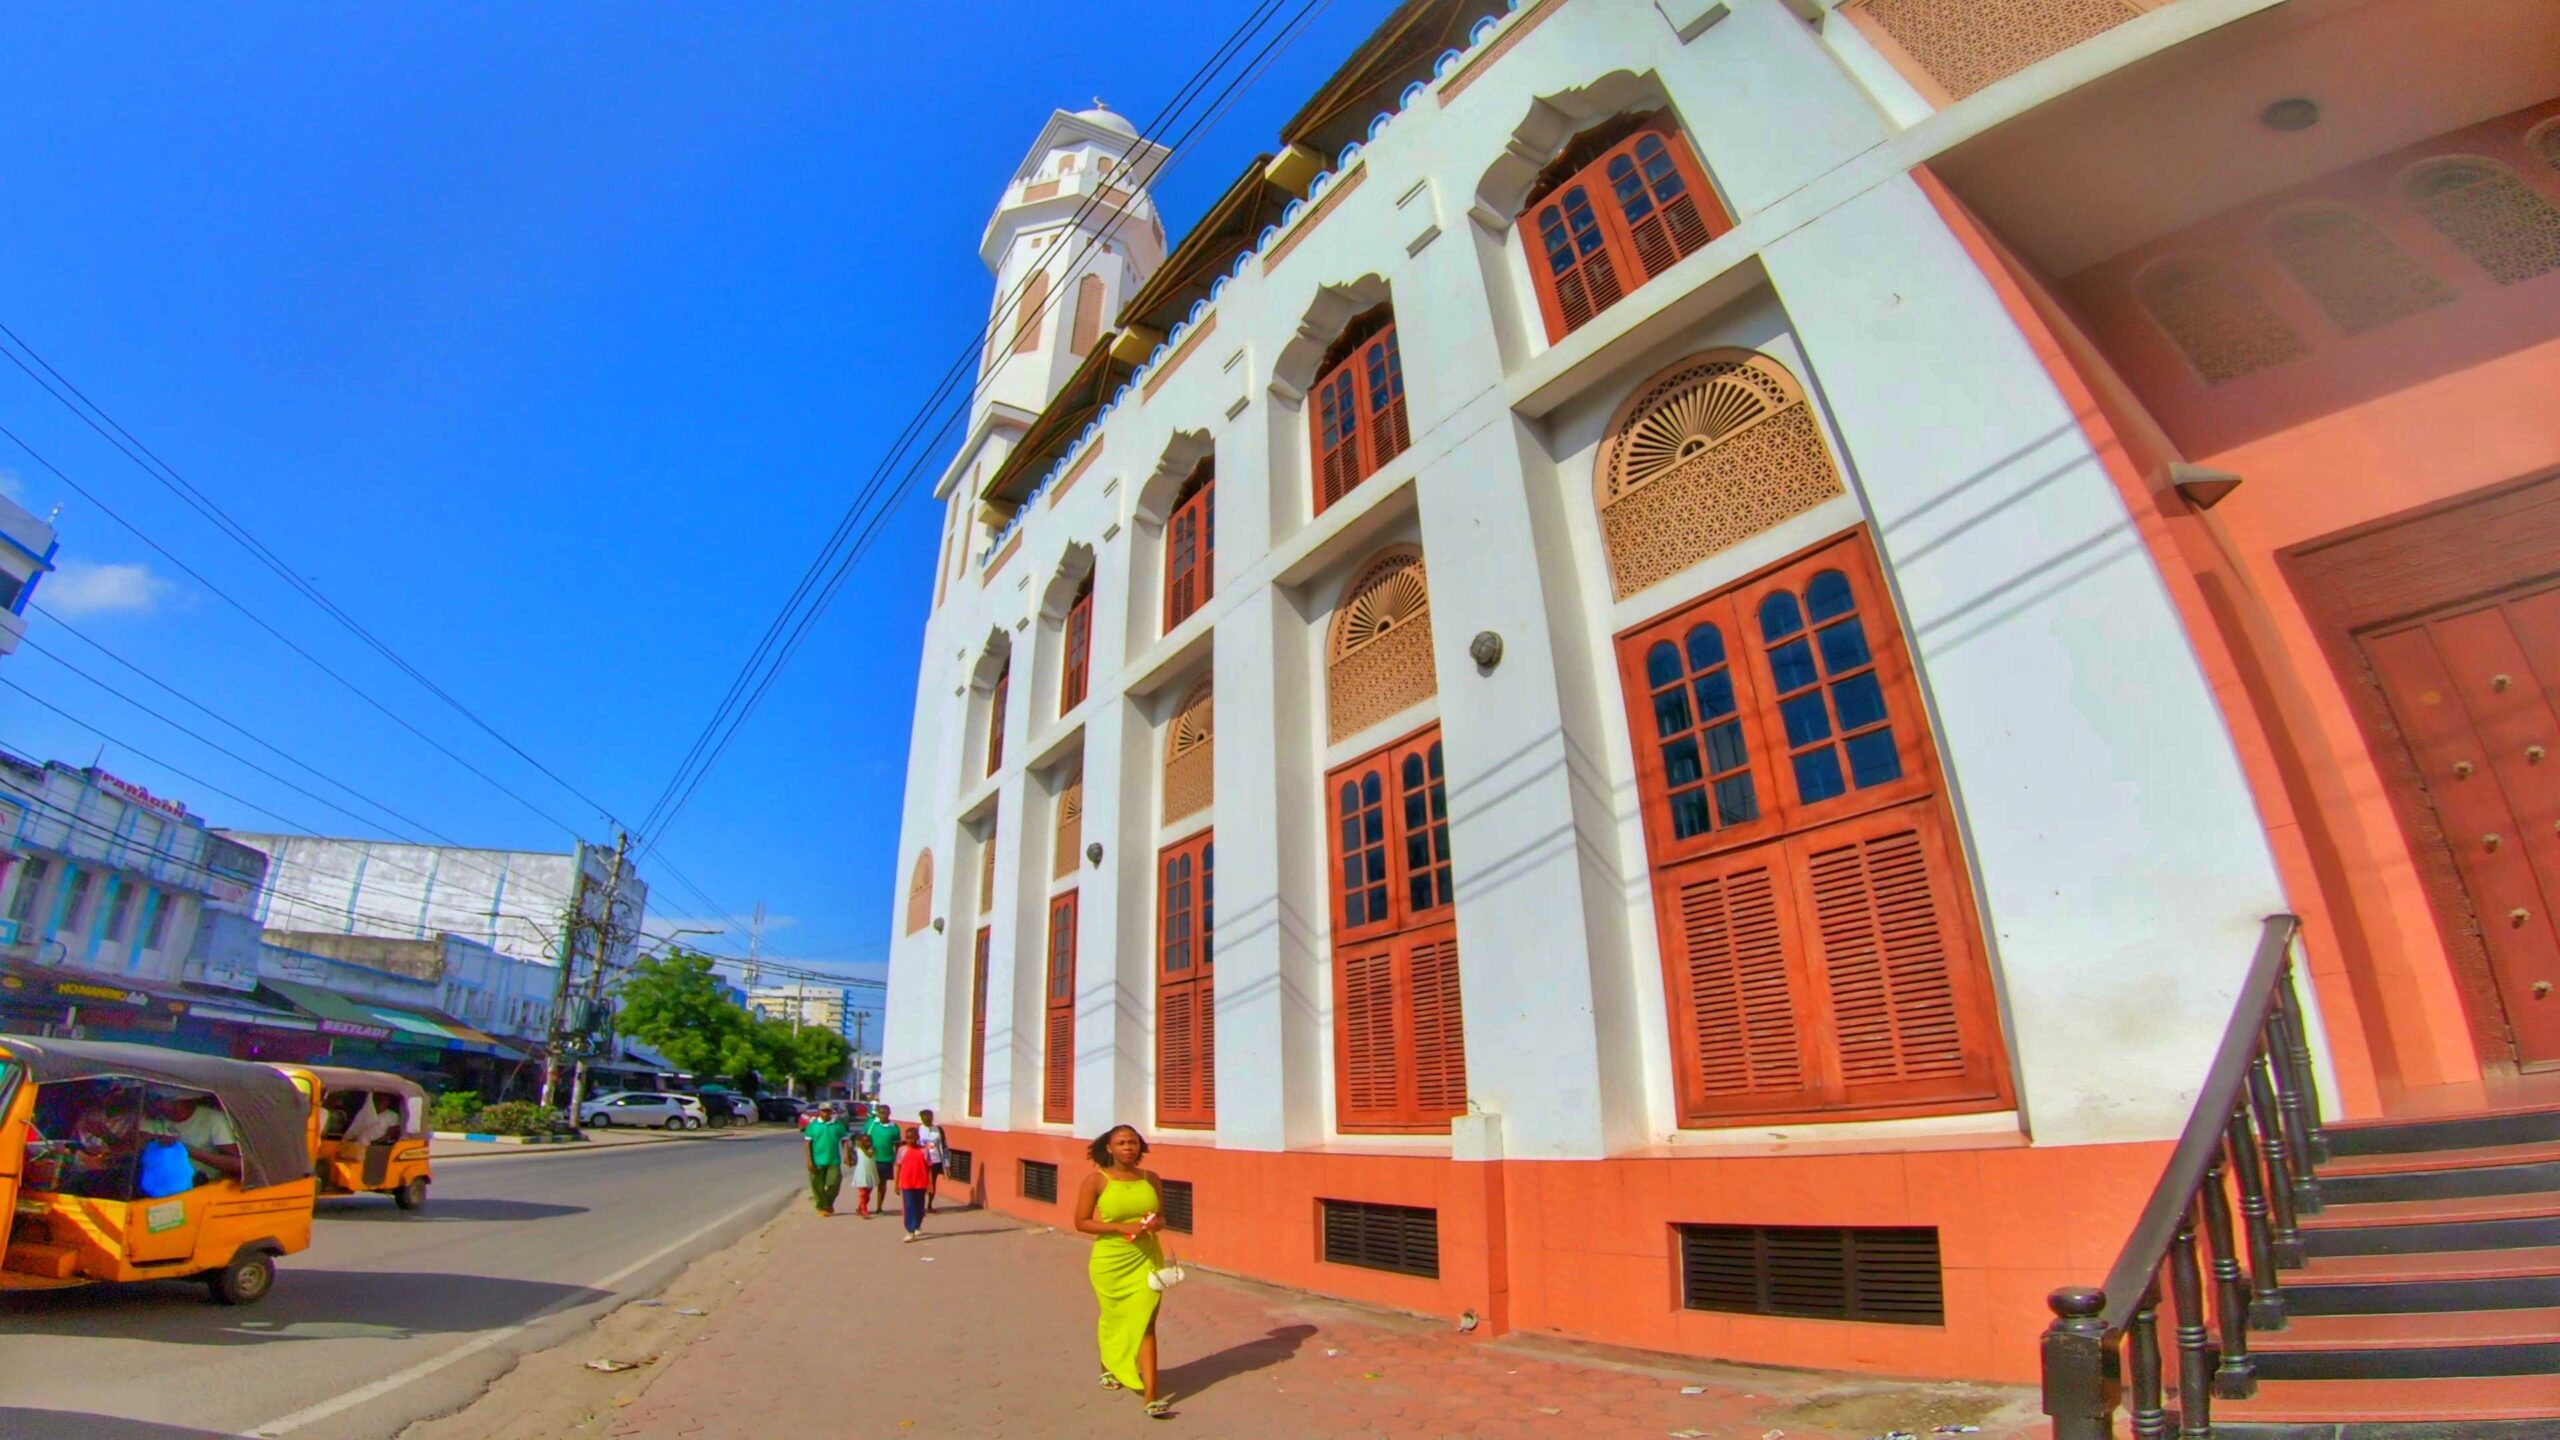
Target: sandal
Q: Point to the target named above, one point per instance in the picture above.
(1160, 1408)
(1108, 1383)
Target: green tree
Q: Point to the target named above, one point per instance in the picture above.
(818, 1056)
(673, 1004)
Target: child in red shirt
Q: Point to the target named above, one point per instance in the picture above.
(914, 1177)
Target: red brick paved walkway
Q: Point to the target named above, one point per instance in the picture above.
(985, 1331)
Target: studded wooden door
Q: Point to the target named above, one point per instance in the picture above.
(2474, 692)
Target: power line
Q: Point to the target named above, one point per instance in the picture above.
(663, 813)
(358, 691)
(161, 470)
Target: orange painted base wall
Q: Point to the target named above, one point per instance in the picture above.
(1585, 1249)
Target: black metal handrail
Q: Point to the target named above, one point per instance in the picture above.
(2256, 1131)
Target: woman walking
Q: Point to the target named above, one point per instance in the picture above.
(1118, 1206)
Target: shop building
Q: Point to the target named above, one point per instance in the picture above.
(27, 548)
(1733, 616)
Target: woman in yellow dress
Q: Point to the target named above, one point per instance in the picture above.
(1118, 1206)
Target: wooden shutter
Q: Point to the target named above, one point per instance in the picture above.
(1365, 1037)
(987, 870)
(1399, 1033)
(1191, 540)
(920, 892)
(978, 1025)
(1058, 1059)
(1820, 954)
(1360, 421)
(1028, 312)
(995, 719)
(1337, 420)
(1186, 1011)
(1383, 424)
(1077, 649)
(1088, 322)
(1631, 213)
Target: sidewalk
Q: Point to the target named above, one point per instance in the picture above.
(985, 1330)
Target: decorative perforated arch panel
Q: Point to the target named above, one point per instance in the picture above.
(2218, 321)
(1707, 454)
(1379, 660)
(1190, 766)
(2504, 225)
(2360, 277)
(1964, 45)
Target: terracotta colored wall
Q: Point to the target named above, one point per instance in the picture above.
(1586, 1249)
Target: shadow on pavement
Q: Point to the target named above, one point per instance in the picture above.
(305, 1305)
(1189, 1378)
(378, 1209)
(20, 1424)
(931, 1234)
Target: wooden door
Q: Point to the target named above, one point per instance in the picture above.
(2474, 692)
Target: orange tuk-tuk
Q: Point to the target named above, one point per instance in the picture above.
(368, 1132)
(128, 1162)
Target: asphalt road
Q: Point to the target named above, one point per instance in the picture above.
(387, 1318)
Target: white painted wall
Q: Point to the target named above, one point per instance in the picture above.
(2120, 866)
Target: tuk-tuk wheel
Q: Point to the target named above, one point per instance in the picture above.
(411, 1195)
(245, 1281)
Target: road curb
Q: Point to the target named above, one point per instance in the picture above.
(563, 1150)
(477, 1138)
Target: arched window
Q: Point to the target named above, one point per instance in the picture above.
(1028, 313)
(1359, 413)
(2359, 276)
(1088, 324)
(920, 893)
(1378, 660)
(1070, 837)
(1190, 762)
(1399, 1030)
(1623, 203)
(1706, 454)
(995, 717)
(2546, 142)
(2505, 226)
(2218, 321)
(1076, 648)
(1191, 546)
(1058, 1035)
(978, 1022)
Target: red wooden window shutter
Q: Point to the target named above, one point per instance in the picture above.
(1818, 945)
(995, 719)
(1078, 650)
(1088, 322)
(1028, 313)
(1360, 422)
(1630, 213)
(1191, 545)
(1186, 1003)
(987, 870)
(1058, 1059)
(1399, 1035)
(978, 1025)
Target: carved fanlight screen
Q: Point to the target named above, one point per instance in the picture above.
(1710, 452)
(2361, 278)
(1190, 762)
(920, 893)
(1070, 827)
(2504, 225)
(2216, 318)
(1379, 660)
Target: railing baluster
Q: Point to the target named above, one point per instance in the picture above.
(2195, 1343)
(2264, 1108)
(2233, 1377)
(2266, 1301)
(2302, 1089)
(2142, 1339)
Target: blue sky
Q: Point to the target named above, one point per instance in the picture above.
(548, 341)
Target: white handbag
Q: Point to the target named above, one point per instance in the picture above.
(1167, 1275)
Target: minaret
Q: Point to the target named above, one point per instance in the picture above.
(1059, 278)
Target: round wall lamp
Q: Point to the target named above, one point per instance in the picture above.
(1093, 852)
(2290, 115)
(937, 924)
(1486, 648)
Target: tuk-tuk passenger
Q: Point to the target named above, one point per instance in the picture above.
(196, 1121)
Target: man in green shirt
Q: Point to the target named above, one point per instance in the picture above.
(882, 1136)
(826, 1138)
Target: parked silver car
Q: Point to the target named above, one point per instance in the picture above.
(642, 1107)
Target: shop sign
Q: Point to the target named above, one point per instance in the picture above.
(353, 1030)
(140, 796)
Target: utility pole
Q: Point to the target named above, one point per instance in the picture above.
(606, 930)
(856, 1068)
(559, 1038)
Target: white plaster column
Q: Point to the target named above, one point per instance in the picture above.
(1115, 998)
(2120, 859)
(1270, 979)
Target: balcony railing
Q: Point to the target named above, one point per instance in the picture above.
(2255, 1134)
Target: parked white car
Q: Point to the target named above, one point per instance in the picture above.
(641, 1107)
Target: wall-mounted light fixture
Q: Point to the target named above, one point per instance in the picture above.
(937, 924)
(1486, 648)
(1093, 852)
